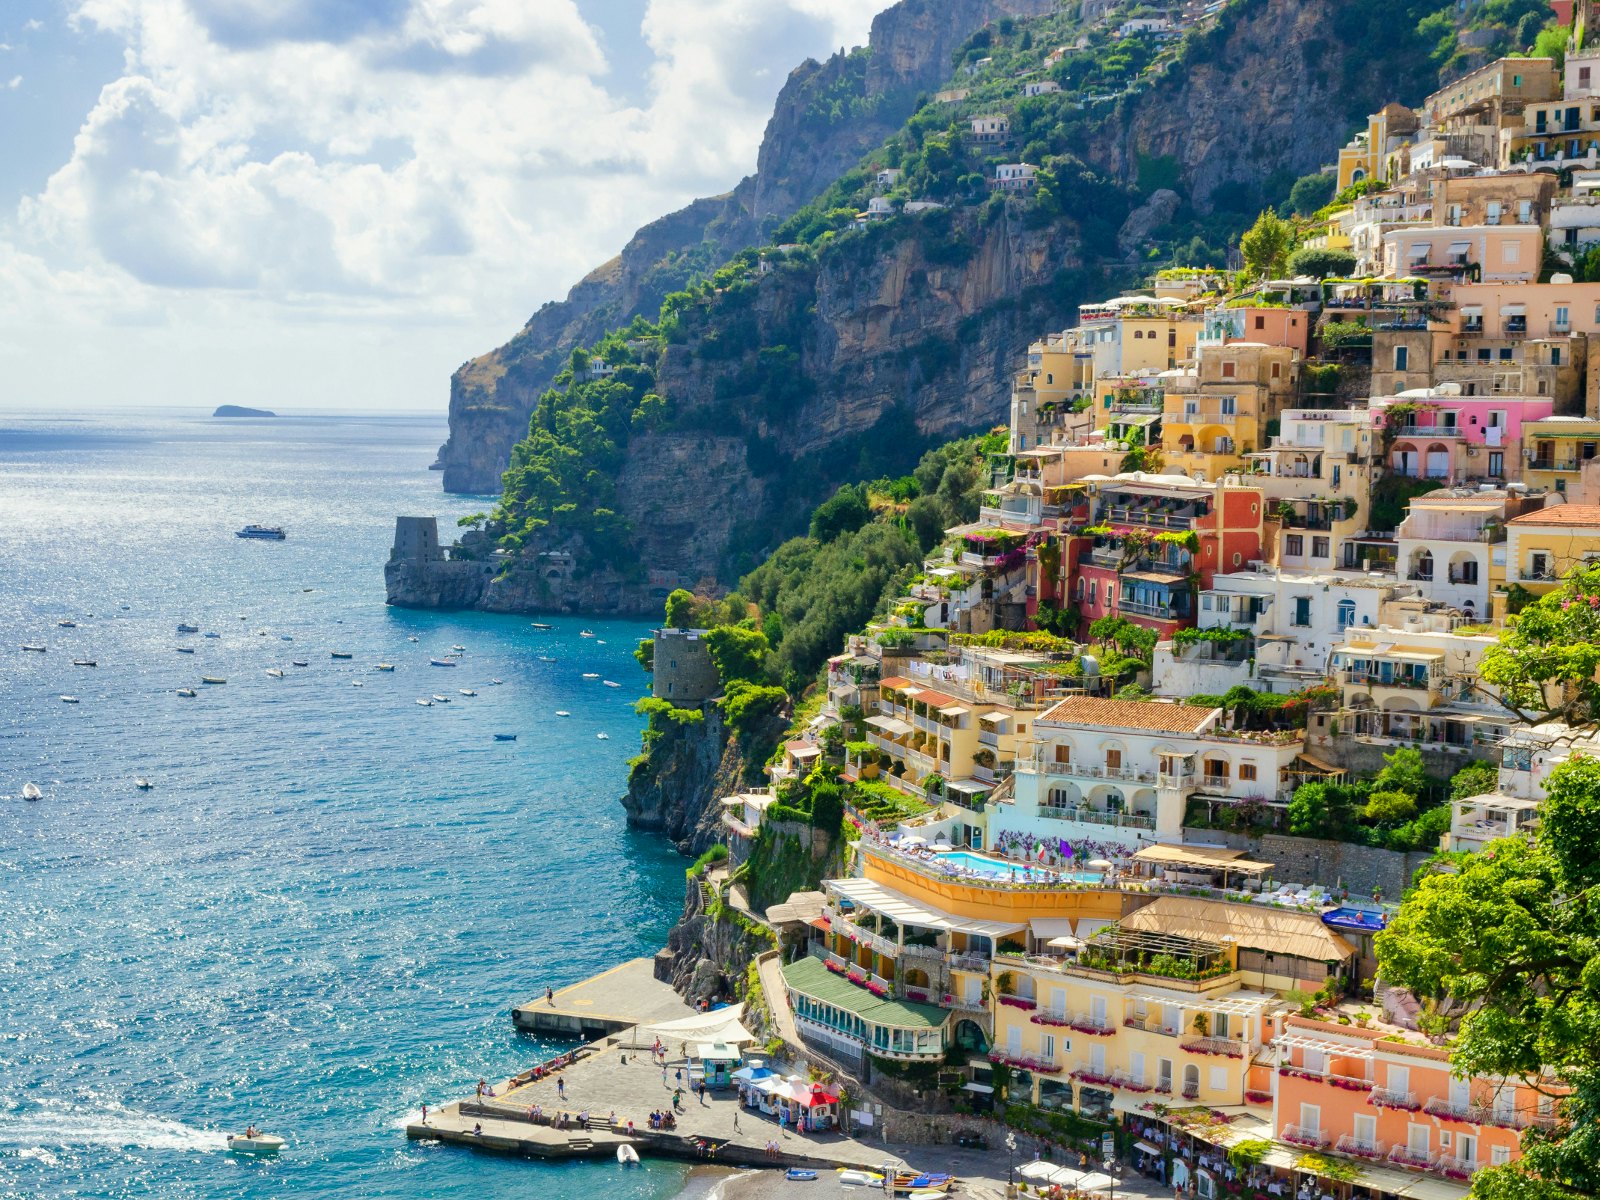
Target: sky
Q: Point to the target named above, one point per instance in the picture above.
(332, 204)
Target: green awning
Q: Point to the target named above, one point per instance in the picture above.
(809, 977)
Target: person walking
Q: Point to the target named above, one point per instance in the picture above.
(425, 1115)
(735, 1118)
(561, 1088)
(550, 997)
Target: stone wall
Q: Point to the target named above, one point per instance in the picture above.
(1364, 759)
(1358, 868)
(682, 670)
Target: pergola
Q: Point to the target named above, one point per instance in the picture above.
(1133, 949)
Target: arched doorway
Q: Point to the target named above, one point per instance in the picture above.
(969, 1035)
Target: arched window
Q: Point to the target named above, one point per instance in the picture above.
(1347, 613)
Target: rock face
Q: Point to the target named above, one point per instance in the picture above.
(802, 152)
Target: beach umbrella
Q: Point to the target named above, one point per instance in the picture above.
(1100, 864)
(1065, 943)
(1037, 1170)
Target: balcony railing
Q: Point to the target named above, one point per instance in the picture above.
(1430, 431)
(1149, 1025)
(1094, 816)
(1389, 1098)
(1215, 1045)
(1089, 1023)
(1405, 1156)
(1355, 1147)
(1440, 1106)
(976, 963)
(1163, 612)
(1304, 1135)
(1366, 679)
(1119, 515)
(1175, 779)
(1035, 766)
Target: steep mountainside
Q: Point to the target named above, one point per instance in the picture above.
(827, 116)
(766, 385)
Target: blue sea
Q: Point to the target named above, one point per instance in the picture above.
(320, 916)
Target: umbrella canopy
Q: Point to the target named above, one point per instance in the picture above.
(751, 1074)
(1037, 1170)
(1065, 943)
(814, 1095)
(1100, 864)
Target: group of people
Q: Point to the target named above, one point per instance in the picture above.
(663, 1120)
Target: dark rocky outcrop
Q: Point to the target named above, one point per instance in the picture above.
(801, 153)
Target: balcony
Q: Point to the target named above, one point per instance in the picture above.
(1559, 465)
(1181, 780)
(1354, 1147)
(1303, 1135)
(1389, 1098)
(1094, 816)
(988, 737)
(1366, 679)
(1215, 783)
(1149, 1026)
(1472, 1114)
(1430, 431)
(1452, 1167)
(1034, 766)
(1089, 1023)
(1106, 556)
(1405, 1156)
(977, 964)
(1162, 612)
(966, 1004)
(1149, 518)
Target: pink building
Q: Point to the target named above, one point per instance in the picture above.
(1457, 438)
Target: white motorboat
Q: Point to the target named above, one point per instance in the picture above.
(441, 699)
(608, 683)
(411, 639)
(383, 667)
(442, 662)
(425, 702)
(143, 784)
(30, 791)
(860, 1179)
(69, 700)
(458, 649)
(561, 712)
(252, 1141)
(35, 649)
(585, 633)
(466, 691)
(540, 625)
(546, 658)
(212, 679)
(340, 654)
(275, 672)
(298, 662)
(84, 662)
(184, 649)
(627, 1155)
(600, 641)
(187, 692)
(604, 737)
(496, 682)
(591, 675)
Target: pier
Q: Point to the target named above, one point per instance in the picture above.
(607, 1004)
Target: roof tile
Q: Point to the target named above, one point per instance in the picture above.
(1129, 714)
(1583, 515)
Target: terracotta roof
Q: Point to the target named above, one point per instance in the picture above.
(937, 699)
(1129, 714)
(894, 682)
(1252, 926)
(1586, 515)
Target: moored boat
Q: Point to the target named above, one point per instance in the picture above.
(30, 791)
(185, 627)
(425, 702)
(271, 533)
(627, 1155)
(505, 737)
(275, 672)
(65, 624)
(69, 700)
(539, 625)
(143, 784)
(84, 662)
(442, 662)
(466, 691)
(340, 654)
(604, 737)
(441, 699)
(187, 692)
(184, 649)
(561, 712)
(383, 667)
(212, 679)
(608, 683)
(35, 649)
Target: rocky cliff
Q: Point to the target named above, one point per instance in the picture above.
(827, 116)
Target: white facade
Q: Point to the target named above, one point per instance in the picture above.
(1014, 176)
(1043, 87)
(1444, 548)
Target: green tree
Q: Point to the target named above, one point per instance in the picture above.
(1403, 771)
(1390, 807)
(681, 606)
(1546, 663)
(1266, 246)
(1509, 944)
(844, 512)
(1311, 192)
(1319, 262)
(738, 653)
(1475, 779)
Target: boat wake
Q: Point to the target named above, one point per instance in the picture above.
(63, 1125)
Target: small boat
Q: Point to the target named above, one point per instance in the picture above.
(185, 627)
(411, 639)
(69, 700)
(458, 649)
(546, 658)
(211, 635)
(496, 682)
(67, 624)
(275, 672)
(284, 637)
(591, 675)
(466, 691)
(608, 683)
(184, 649)
(270, 533)
(604, 737)
(442, 662)
(383, 667)
(600, 641)
(860, 1179)
(561, 712)
(187, 692)
(340, 654)
(357, 683)
(298, 662)
(35, 649)
(261, 633)
(84, 662)
(30, 791)
(585, 633)
(143, 784)
(505, 737)
(797, 1174)
(627, 1155)
(212, 679)
(252, 1142)
(441, 699)
(540, 625)
(425, 702)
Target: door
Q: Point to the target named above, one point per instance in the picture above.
(1058, 1003)
(1467, 1148)
(1171, 1022)
(1366, 1131)
(1191, 1082)
(1417, 1140)
(1136, 1067)
(1399, 1079)
(1047, 1047)
(1097, 1058)
(1311, 1118)
(1164, 1075)
(1460, 1095)
(1097, 1011)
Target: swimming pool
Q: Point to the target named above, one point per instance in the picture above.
(994, 868)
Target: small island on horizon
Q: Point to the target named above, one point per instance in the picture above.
(236, 410)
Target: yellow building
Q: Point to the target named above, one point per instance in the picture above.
(1364, 157)
(1543, 547)
(1555, 451)
(1209, 426)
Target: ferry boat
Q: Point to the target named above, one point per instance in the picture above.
(185, 627)
(442, 662)
(35, 649)
(271, 533)
(340, 654)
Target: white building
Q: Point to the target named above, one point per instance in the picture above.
(1446, 541)
(991, 129)
(1042, 87)
(1015, 177)
(1122, 772)
(888, 177)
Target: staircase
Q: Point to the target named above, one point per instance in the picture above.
(580, 1145)
(599, 1124)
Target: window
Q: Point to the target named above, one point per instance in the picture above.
(1366, 1130)
(1217, 1079)
(1319, 547)
(1205, 602)
(1227, 404)
(1499, 1156)
(1294, 544)
(1302, 611)
(1347, 613)
(1402, 356)
(1311, 1117)
(1261, 322)
(1247, 772)
(1563, 316)
(1228, 369)
(1510, 252)
(1497, 463)
(1277, 370)
(1466, 1147)
(1114, 759)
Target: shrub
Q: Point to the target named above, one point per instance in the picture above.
(1320, 262)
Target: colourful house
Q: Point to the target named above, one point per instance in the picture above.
(1438, 433)
(1543, 547)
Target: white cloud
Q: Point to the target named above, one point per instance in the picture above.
(14, 82)
(309, 164)
(33, 25)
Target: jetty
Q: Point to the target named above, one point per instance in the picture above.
(610, 1003)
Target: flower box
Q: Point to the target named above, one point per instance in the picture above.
(856, 978)
(833, 966)
(947, 999)
(1047, 1019)
(1390, 1102)
(1295, 1139)
(1018, 1002)
(1092, 1030)
(1258, 1097)
(919, 997)
(878, 990)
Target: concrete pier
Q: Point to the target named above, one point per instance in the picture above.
(609, 1003)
